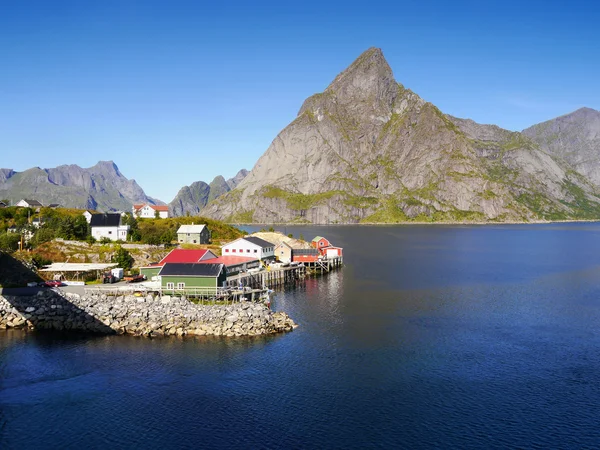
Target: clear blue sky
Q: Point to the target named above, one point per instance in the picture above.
(180, 91)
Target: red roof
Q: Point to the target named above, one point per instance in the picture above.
(229, 260)
(183, 255)
(154, 207)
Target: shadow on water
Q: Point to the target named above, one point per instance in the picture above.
(41, 308)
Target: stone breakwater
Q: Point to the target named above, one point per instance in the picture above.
(139, 316)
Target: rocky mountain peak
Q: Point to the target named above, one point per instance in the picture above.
(106, 167)
(368, 82)
(369, 78)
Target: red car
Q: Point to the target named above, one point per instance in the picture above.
(53, 283)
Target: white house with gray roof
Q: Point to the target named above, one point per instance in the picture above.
(250, 246)
(193, 234)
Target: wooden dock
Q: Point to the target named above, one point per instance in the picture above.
(248, 286)
(273, 277)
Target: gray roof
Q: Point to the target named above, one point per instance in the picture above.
(191, 269)
(105, 220)
(32, 202)
(258, 241)
(191, 228)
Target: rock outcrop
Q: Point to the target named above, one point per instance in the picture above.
(367, 149)
(573, 137)
(102, 187)
(140, 316)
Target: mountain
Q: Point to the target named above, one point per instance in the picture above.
(193, 198)
(367, 149)
(573, 137)
(101, 187)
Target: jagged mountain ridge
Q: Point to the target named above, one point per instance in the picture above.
(193, 198)
(102, 187)
(574, 137)
(368, 149)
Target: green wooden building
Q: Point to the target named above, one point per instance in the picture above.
(190, 277)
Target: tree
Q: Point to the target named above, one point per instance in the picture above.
(66, 228)
(81, 228)
(134, 231)
(123, 258)
(9, 242)
(43, 234)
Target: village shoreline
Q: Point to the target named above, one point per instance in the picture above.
(149, 316)
(380, 224)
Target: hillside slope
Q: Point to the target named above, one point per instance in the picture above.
(574, 137)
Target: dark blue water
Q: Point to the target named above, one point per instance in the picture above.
(430, 337)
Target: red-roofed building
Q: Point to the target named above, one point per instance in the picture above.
(325, 248)
(181, 256)
(148, 211)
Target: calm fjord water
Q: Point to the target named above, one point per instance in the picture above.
(431, 336)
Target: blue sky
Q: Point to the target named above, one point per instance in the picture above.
(180, 91)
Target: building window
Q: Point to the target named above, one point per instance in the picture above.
(110, 232)
(194, 241)
(241, 250)
(226, 250)
(170, 285)
(180, 285)
(255, 251)
(248, 251)
(233, 250)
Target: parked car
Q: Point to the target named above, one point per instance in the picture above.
(53, 283)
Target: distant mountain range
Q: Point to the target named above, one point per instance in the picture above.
(100, 187)
(367, 149)
(103, 187)
(193, 198)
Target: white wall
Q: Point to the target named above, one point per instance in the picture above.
(245, 248)
(147, 212)
(112, 233)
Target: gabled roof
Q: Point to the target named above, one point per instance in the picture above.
(284, 243)
(182, 255)
(191, 228)
(53, 205)
(154, 207)
(258, 241)
(105, 220)
(317, 238)
(191, 269)
(32, 202)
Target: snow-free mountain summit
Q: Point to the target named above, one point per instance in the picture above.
(367, 149)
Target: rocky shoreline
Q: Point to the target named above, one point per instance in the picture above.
(139, 316)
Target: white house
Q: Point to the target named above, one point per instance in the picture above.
(108, 226)
(250, 246)
(87, 215)
(28, 203)
(147, 211)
